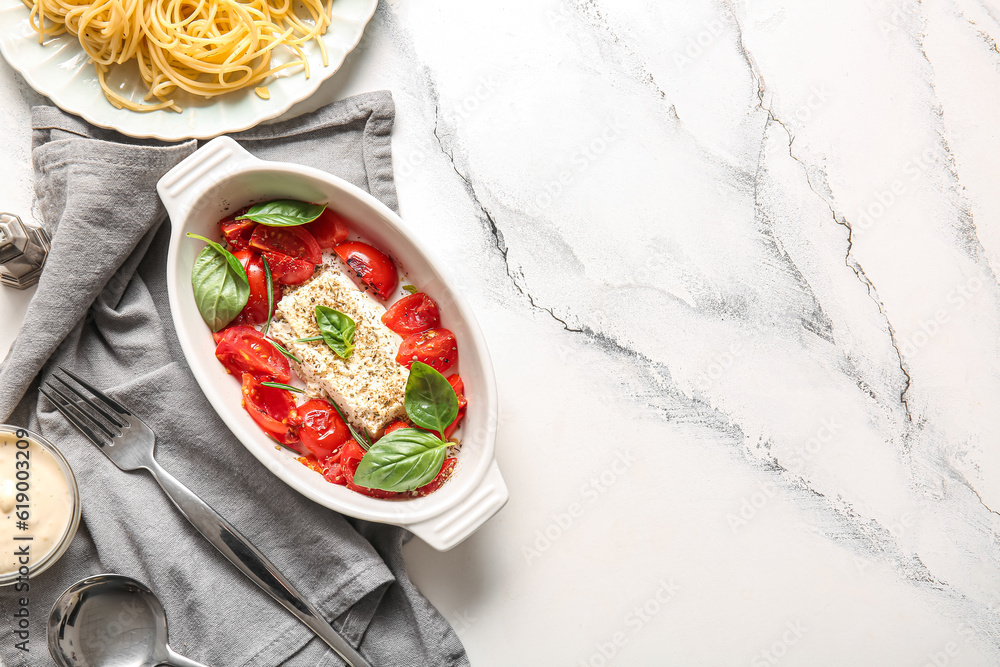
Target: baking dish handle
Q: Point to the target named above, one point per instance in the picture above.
(180, 188)
(448, 529)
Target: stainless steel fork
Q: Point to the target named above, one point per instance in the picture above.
(129, 443)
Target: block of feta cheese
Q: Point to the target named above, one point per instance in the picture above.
(369, 385)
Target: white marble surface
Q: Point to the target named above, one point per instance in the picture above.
(736, 265)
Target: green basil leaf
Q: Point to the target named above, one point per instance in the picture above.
(404, 460)
(220, 284)
(337, 330)
(430, 400)
(279, 385)
(284, 213)
(411, 289)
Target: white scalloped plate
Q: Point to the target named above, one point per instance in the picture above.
(60, 70)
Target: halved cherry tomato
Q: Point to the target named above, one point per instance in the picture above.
(412, 314)
(288, 270)
(273, 409)
(437, 348)
(350, 456)
(255, 312)
(364, 490)
(322, 431)
(329, 229)
(394, 426)
(442, 477)
(334, 473)
(245, 350)
(372, 265)
(237, 232)
(459, 386)
(292, 241)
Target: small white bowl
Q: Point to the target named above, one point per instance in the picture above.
(222, 177)
(39, 561)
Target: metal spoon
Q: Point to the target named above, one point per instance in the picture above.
(110, 621)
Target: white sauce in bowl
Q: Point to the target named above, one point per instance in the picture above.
(38, 504)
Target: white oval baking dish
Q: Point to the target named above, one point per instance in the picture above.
(221, 177)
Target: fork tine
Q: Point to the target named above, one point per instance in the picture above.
(77, 408)
(90, 403)
(73, 419)
(110, 402)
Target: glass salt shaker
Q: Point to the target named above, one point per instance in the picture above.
(23, 249)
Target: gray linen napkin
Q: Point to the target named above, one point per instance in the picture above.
(101, 310)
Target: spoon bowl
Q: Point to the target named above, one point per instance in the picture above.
(110, 621)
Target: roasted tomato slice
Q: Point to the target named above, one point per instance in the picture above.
(244, 350)
(237, 232)
(394, 426)
(334, 473)
(437, 348)
(372, 265)
(329, 229)
(255, 312)
(459, 386)
(288, 270)
(412, 314)
(322, 431)
(292, 241)
(442, 477)
(348, 473)
(350, 456)
(273, 409)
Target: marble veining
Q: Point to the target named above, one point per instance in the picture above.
(734, 260)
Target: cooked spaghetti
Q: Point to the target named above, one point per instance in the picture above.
(204, 47)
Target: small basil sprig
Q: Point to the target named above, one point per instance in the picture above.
(281, 348)
(410, 288)
(404, 460)
(283, 213)
(408, 458)
(430, 400)
(270, 295)
(364, 440)
(337, 329)
(280, 385)
(220, 284)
